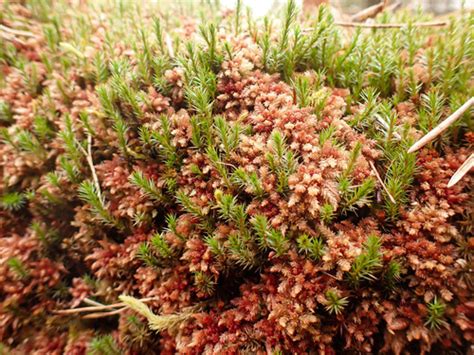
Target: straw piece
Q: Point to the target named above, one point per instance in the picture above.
(463, 170)
(169, 45)
(98, 308)
(103, 314)
(391, 25)
(393, 7)
(381, 182)
(10, 37)
(435, 132)
(384, 25)
(368, 12)
(16, 32)
(92, 302)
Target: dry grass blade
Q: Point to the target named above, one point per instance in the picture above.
(103, 314)
(435, 132)
(88, 309)
(391, 25)
(393, 7)
(90, 162)
(12, 31)
(368, 12)
(99, 307)
(377, 175)
(463, 170)
(384, 25)
(169, 45)
(11, 38)
(92, 302)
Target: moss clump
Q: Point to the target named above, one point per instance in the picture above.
(241, 185)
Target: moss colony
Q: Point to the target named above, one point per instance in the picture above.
(192, 180)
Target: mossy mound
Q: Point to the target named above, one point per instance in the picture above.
(184, 179)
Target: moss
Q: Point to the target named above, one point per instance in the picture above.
(216, 174)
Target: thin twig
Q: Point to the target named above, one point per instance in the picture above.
(377, 175)
(435, 132)
(463, 170)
